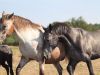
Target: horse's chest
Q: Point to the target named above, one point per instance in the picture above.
(30, 35)
(31, 44)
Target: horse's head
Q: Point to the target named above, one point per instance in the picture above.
(54, 36)
(51, 39)
(6, 22)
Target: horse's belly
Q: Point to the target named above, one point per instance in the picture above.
(29, 53)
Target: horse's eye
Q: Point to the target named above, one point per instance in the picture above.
(3, 27)
(47, 39)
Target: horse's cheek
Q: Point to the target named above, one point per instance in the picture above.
(11, 30)
(55, 53)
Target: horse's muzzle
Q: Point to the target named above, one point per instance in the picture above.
(47, 54)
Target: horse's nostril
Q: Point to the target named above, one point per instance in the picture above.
(3, 37)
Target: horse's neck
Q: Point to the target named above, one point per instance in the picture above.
(20, 22)
(18, 35)
(26, 30)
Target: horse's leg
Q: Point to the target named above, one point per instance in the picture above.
(41, 67)
(71, 66)
(9, 61)
(6, 67)
(89, 64)
(22, 63)
(58, 67)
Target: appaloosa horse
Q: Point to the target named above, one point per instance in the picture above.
(6, 59)
(81, 45)
(30, 37)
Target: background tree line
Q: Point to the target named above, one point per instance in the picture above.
(79, 22)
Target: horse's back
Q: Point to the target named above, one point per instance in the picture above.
(95, 34)
(88, 41)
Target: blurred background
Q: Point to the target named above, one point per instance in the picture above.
(80, 13)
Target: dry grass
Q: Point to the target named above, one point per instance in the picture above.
(32, 68)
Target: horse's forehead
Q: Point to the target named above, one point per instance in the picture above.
(53, 35)
(50, 35)
(5, 17)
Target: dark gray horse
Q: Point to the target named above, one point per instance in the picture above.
(6, 59)
(81, 45)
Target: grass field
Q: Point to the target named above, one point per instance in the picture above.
(32, 68)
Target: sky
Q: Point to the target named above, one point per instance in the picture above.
(47, 11)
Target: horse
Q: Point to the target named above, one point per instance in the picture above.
(31, 42)
(29, 36)
(6, 58)
(81, 45)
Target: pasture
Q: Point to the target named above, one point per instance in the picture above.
(32, 68)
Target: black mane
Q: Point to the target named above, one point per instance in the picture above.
(59, 27)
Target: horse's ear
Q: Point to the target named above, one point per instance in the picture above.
(10, 16)
(50, 27)
(3, 13)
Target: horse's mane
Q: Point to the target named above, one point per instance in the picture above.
(23, 22)
(27, 21)
(64, 28)
(59, 27)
